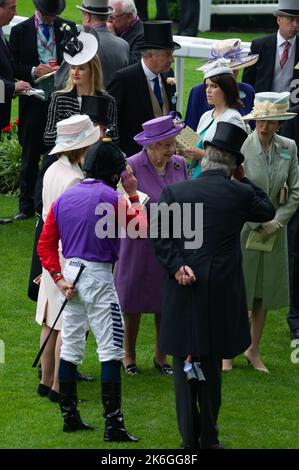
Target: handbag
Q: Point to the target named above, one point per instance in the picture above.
(256, 242)
(283, 195)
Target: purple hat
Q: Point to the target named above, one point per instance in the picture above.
(158, 129)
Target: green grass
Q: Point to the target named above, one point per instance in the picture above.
(258, 411)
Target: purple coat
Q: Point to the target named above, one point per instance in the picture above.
(138, 274)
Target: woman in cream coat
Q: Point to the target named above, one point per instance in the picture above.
(270, 161)
(63, 174)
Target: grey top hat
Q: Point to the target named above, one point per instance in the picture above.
(50, 7)
(96, 7)
(287, 8)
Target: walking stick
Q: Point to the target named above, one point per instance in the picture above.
(82, 267)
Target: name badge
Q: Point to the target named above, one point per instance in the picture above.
(284, 153)
(297, 66)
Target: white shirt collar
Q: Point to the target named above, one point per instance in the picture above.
(281, 40)
(148, 73)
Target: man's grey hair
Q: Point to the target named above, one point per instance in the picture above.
(217, 159)
(128, 6)
(147, 52)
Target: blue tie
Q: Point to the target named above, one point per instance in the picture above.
(157, 91)
(46, 31)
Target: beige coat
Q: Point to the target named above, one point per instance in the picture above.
(266, 274)
(59, 177)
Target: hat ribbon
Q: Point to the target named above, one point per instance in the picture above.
(66, 139)
(268, 109)
(234, 55)
(221, 62)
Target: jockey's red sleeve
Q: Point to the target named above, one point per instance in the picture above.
(47, 247)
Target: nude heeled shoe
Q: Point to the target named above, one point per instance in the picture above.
(227, 365)
(250, 363)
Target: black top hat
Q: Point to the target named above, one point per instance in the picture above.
(158, 35)
(50, 7)
(104, 159)
(229, 137)
(97, 108)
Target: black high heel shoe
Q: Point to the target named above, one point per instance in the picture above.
(165, 369)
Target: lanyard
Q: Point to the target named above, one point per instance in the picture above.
(50, 47)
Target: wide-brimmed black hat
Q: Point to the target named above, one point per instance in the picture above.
(104, 159)
(50, 7)
(158, 35)
(97, 108)
(229, 137)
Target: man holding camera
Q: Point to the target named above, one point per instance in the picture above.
(204, 317)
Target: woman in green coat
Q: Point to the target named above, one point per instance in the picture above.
(271, 163)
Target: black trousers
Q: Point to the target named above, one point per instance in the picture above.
(161, 6)
(198, 406)
(293, 248)
(31, 134)
(189, 18)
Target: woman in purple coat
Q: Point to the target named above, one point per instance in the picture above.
(138, 275)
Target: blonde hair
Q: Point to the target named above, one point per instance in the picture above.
(97, 81)
(74, 156)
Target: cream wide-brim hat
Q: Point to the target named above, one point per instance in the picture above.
(90, 138)
(270, 106)
(90, 48)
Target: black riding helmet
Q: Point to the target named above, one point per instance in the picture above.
(104, 159)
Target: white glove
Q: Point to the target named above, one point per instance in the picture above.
(269, 228)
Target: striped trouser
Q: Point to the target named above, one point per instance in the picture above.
(95, 303)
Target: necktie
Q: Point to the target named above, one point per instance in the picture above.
(46, 31)
(157, 91)
(285, 54)
(2, 36)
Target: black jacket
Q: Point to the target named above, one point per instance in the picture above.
(260, 75)
(23, 44)
(130, 89)
(210, 317)
(290, 128)
(7, 74)
(134, 37)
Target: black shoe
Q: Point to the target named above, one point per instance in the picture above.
(295, 334)
(23, 216)
(131, 369)
(43, 390)
(6, 221)
(73, 422)
(53, 396)
(84, 378)
(115, 430)
(165, 369)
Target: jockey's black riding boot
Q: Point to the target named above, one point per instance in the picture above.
(68, 406)
(114, 425)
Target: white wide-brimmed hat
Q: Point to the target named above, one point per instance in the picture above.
(80, 49)
(217, 67)
(96, 7)
(76, 132)
(287, 8)
(270, 106)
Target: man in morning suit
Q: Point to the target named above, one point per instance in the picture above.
(277, 68)
(35, 44)
(290, 129)
(8, 87)
(142, 91)
(204, 315)
(126, 24)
